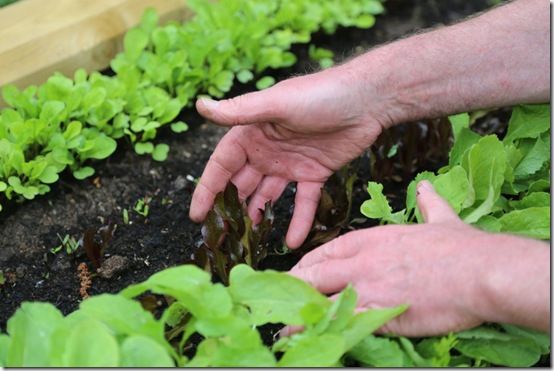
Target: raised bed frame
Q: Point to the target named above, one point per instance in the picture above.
(40, 37)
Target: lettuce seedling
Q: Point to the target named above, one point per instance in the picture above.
(95, 242)
(67, 122)
(498, 186)
(142, 206)
(112, 330)
(333, 212)
(229, 237)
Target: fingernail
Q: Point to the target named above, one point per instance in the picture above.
(284, 332)
(424, 185)
(210, 104)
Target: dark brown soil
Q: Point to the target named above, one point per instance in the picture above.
(166, 237)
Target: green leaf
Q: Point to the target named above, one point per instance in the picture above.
(540, 338)
(528, 121)
(73, 129)
(49, 175)
(465, 140)
(149, 20)
(511, 351)
(90, 345)
(142, 148)
(539, 185)
(102, 147)
(223, 80)
(83, 173)
(531, 200)
(51, 112)
(273, 297)
(135, 42)
(80, 76)
(367, 322)
(161, 41)
(486, 163)
(160, 152)
(245, 76)
(376, 351)
(189, 285)
(30, 329)
(29, 192)
(141, 351)
(171, 110)
(459, 122)
(377, 207)
(265, 82)
(179, 127)
(242, 347)
(340, 313)
(453, 186)
(314, 351)
(5, 343)
(488, 223)
(364, 21)
(123, 316)
(94, 98)
(373, 7)
(534, 159)
(531, 222)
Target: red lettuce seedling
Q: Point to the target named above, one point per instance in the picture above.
(229, 237)
(333, 211)
(96, 240)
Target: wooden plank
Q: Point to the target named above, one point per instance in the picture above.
(40, 37)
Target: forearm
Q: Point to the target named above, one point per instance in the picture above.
(499, 58)
(514, 286)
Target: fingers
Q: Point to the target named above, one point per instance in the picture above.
(251, 108)
(290, 330)
(305, 206)
(270, 189)
(329, 276)
(228, 158)
(433, 207)
(350, 244)
(337, 248)
(246, 181)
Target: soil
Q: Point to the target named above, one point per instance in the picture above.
(166, 237)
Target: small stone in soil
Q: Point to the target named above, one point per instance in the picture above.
(20, 271)
(60, 263)
(113, 265)
(179, 183)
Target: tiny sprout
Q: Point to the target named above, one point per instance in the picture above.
(141, 206)
(190, 178)
(69, 243)
(126, 216)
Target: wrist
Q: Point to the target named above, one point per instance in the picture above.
(370, 80)
(513, 284)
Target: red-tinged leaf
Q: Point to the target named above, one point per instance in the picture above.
(95, 242)
(229, 238)
(92, 248)
(213, 230)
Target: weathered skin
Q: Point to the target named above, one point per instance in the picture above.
(303, 129)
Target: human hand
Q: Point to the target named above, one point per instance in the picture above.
(301, 130)
(451, 275)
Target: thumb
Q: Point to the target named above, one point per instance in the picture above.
(251, 108)
(433, 207)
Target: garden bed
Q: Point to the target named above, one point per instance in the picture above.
(165, 237)
(144, 242)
